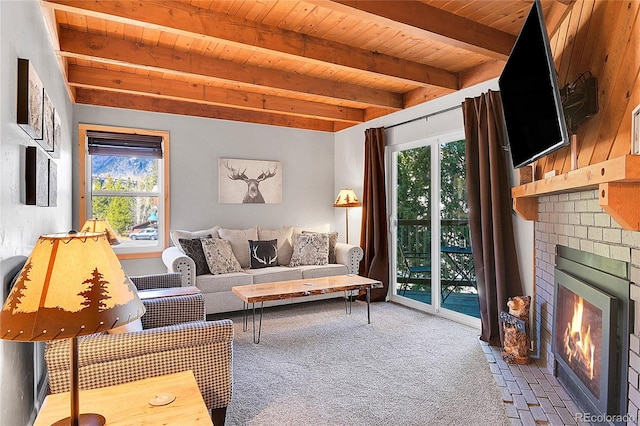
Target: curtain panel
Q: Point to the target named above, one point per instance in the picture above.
(490, 220)
(373, 231)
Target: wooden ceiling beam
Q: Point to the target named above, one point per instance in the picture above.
(127, 82)
(131, 54)
(169, 106)
(203, 24)
(414, 17)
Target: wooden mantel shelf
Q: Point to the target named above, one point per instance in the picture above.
(617, 181)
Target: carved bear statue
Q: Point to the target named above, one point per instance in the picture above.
(516, 342)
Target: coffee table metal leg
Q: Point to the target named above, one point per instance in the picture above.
(368, 305)
(245, 321)
(259, 322)
(348, 294)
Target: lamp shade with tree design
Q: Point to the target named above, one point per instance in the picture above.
(71, 285)
(347, 198)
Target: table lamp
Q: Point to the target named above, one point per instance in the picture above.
(71, 285)
(347, 198)
(101, 225)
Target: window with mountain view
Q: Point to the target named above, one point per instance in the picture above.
(125, 185)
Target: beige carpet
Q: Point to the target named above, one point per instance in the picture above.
(317, 366)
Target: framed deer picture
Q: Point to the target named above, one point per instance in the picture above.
(249, 181)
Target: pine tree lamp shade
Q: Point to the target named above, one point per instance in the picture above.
(71, 285)
(347, 198)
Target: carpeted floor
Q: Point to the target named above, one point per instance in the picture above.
(317, 366)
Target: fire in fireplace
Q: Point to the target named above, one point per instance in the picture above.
(591, 329)
(579, 343)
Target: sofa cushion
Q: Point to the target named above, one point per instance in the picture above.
(176, 234)
(224, 282)
(310, 249)
(264, 254)
(319, 271)
(220, 257)
(333, 240)
(193, 249)
(239, 239)
(277, 273)
(285, 242)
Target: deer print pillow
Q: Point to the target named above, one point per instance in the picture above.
(263, 253)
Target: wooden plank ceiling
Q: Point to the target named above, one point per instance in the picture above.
(316, 64)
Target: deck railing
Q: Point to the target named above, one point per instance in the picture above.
(414, 241)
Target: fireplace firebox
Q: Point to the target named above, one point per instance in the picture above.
(591, 327)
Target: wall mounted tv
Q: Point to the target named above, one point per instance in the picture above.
(530, 94)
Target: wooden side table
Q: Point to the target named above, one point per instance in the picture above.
(128, 404)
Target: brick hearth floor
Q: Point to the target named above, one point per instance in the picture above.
(530, 393)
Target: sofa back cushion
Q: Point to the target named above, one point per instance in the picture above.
(176, 234)
(239, 239)
(285, 242)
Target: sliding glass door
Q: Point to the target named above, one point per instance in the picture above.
(431, 245)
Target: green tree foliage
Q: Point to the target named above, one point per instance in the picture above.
(414, 184)
(453, 190)
(129, 176)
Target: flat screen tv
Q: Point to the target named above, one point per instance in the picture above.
(531, 101)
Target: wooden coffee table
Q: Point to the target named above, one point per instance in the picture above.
(280, 290)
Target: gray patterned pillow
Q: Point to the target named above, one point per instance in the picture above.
(193, 249)
(220, 257)
(310, 249)
(333, 240)
(263, 253)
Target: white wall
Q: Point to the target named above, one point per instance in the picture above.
(23, 35)
(349, 160)
(196, 144)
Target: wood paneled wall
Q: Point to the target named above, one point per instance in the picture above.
(603, 37)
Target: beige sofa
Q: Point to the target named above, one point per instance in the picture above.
(217, 288)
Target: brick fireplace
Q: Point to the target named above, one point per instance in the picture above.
(576, 220)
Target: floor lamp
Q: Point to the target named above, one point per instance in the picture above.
(71, 285)
(347, 198)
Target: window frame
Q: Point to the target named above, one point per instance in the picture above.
(164, 198)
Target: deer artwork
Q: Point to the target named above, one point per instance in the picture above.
(253, 194)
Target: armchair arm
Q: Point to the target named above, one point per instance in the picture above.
(148, 282)
(177, 261)
(173, 310)
(350, 255)
(205, 347)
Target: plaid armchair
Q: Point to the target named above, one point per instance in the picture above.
(175, 337)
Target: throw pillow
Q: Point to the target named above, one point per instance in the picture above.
(175, 235)
(285, 242)
(220, 257)
(263, 253)
(333, 240)
(193, 249)
(239, 242)
(310, 249)
(127, 328)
